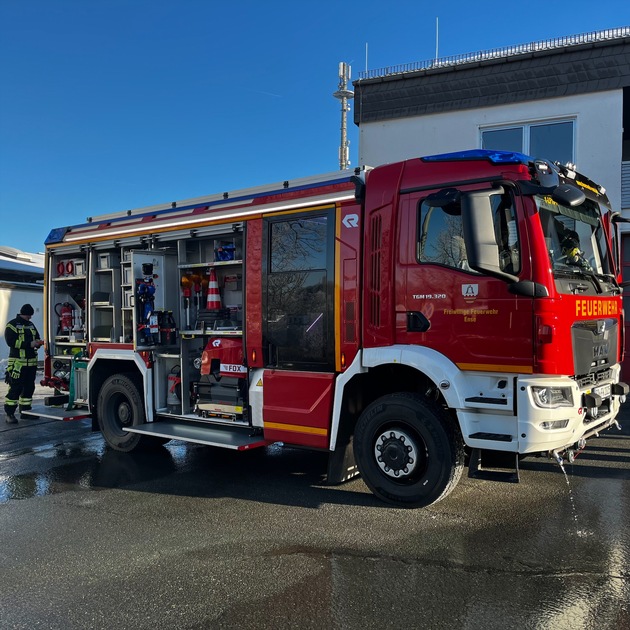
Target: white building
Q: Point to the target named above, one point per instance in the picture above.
(21, 282)
(566, 99)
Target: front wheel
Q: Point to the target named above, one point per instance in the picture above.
(409, 451)
(119, 406)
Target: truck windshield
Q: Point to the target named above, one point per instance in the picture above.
(575, 238)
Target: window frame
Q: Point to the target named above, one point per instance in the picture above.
(275, 356)
(514, 249)
(526, 126)
(421, 218)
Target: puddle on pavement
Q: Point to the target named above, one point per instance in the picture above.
(52, 481)
(84, 466)
(90, 465)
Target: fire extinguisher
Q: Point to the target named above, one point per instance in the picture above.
(174, 387)
(64, 312)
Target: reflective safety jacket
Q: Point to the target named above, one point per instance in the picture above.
(19, 333)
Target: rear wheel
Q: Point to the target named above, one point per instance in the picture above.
(120, 406)
(409, 451)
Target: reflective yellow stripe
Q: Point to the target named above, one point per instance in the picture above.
(295, 428)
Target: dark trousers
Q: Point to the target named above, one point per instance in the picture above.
(21, 390)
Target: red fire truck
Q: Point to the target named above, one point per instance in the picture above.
(401, 318)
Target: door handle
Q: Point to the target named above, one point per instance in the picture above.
(417, 322)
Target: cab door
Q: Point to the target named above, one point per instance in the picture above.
(471, 318)
(298, 326)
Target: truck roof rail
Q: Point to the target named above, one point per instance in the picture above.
(244, 193)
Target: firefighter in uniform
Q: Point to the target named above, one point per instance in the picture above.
(23, 341)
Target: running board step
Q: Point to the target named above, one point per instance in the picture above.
(497, 466)
(58, 413)
(238, 440)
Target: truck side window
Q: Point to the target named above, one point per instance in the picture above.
(298, 292)
(441, 236)
(506, 233)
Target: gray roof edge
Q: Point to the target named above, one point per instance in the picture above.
(12, 254)
(498, 55)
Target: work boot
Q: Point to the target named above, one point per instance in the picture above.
(11, 419)
(27, 416)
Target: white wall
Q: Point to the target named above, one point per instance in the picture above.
(598, 133)
(11, 301)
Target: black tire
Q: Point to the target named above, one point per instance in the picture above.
(409, 451)
(120, 405)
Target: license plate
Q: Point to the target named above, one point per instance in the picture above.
(603, 391)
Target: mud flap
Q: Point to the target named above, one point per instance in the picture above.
(341, 464)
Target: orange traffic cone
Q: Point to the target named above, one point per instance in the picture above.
(213, 301)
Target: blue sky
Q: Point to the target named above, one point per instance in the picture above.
(107, 105)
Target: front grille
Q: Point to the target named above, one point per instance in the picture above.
(588, 380)
(594, 345)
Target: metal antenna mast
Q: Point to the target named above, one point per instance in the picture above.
(344, 95)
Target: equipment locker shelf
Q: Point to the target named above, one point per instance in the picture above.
(105, 322)
(67, 301)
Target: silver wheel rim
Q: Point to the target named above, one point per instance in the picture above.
(396, 453)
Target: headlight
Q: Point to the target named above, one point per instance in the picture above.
(552, 397)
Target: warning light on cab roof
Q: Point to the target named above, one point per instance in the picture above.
(495, 157)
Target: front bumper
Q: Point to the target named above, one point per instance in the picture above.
(594, 408)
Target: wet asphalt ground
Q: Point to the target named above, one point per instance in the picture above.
(194, 537)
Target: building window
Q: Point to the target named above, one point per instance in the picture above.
(549, 140)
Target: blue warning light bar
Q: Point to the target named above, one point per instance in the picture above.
(495, 157)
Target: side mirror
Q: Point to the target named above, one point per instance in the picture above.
(481, 246)
(478, 225)
(443, 198)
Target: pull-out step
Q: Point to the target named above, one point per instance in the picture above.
(58, 413)
(497, 466)
(232, 438)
